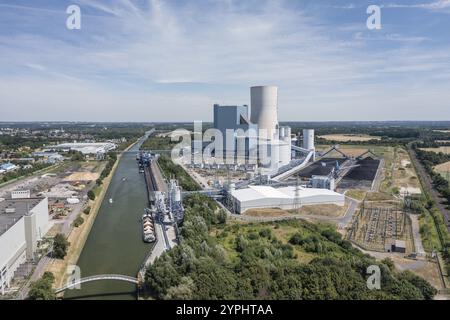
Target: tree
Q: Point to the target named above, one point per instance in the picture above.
(42, 288)
(91, 195)
(60, 245)
(78, 221)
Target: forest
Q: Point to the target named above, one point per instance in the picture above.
(218, 259)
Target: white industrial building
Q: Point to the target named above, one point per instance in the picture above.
(287, 198)
(23, 222)
(85, 148)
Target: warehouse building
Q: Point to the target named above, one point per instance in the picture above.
(287, 198)
(23, 222)
(85, 148)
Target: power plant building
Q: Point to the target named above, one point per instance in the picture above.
(235, 118)
(273, 143)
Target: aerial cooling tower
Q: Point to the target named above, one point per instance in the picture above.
(308, 139)
(264, 107)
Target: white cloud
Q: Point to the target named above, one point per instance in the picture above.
(109, 70)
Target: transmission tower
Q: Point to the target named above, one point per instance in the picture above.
(297, 201)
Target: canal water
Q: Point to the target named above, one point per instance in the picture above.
(114, 245)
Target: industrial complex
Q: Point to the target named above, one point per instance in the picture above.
(273, 168)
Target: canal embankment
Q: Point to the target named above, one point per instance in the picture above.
(78, 235)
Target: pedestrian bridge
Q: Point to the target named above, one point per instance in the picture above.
(100, 277)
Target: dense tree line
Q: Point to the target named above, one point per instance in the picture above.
(430, 159)
(171, 169)
(111, 159)
(258, 265)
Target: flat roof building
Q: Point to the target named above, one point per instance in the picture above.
(287, 198)
(23, 222)
(85, 147)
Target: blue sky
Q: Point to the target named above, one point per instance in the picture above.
(150, 60)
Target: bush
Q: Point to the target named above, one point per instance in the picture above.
(78, 221)
(60, 245)
(91, 195)
(42, 288)
(87, 210)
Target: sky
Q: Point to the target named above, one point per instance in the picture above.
(151, 60)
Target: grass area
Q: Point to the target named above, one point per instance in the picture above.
(326, 210)
(378, 196)
(356, 194)
(428, 232)
(155, 142)
(282, 231)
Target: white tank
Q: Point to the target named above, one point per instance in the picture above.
(308, 139)
(264, 108)
(282, 132)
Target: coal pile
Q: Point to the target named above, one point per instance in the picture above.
(320, 168)
(367, 170)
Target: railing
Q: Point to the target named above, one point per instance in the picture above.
(115, 277)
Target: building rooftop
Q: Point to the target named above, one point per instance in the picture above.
(11, 210)
(261, 192)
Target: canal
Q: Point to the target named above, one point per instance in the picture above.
(114, 245)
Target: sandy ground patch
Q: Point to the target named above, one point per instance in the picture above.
(326, 210)
(409, 190)
(444, 131)
(349, 137)
(82, 176)
(405, 163)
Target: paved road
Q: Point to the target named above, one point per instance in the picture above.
(428, 184)
(416, 235)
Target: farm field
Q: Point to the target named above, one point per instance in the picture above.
(445, 150)
(349, 137)
(443, 169)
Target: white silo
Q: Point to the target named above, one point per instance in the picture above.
(285, 153)
(264, 108)
(308, 139)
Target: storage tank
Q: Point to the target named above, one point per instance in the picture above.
(285, 153)
(264, 107)
(282, 132)
(308, 139)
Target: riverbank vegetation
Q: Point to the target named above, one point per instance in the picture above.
(217, 259)
(42, 289)
(170, 169)
(60, 246)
